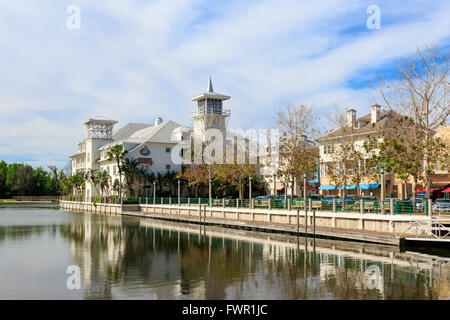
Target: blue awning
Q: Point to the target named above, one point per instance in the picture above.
(349, 187)
(363, 186)
(368, 186)
(327, 187)
(314, 181)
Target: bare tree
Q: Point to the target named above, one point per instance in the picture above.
(297, 154)
(421, 93)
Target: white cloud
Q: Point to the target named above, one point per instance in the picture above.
(135, 60)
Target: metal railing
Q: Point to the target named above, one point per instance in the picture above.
(391, 206)
(438, 229)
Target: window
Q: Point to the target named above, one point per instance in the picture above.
(168, 166)
(167, 150)
(322, 170)
(214, 106)
(107, 169)
(114, 169)
(201, 106)
(88, 155)
(328, 149)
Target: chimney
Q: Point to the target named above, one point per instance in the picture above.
(375, 113)
(351, 118)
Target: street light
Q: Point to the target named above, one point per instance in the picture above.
(210, 190)
(250, 188)
(179, 192)
(304, 185)
(274, 186)
(382, 182)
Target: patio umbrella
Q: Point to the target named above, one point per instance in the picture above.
(446, 190)
(423, 190)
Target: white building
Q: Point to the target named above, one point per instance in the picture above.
(150, 144)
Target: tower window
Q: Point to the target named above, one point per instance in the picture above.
(214, 106)
(201, 106)
(167, 150)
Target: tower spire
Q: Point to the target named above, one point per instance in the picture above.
(210, 86)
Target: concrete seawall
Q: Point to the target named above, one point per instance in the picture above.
(91, 207)
(376, 228)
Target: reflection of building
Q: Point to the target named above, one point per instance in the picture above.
(130, 258)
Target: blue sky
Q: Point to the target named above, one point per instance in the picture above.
(137, 60)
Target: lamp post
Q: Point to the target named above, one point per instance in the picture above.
(250, 188)
(154, 192)
(179, 192)
(304, 185)
(382, 182)
(274, 185)
(210, 190)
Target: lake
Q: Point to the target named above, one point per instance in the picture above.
(117, 257)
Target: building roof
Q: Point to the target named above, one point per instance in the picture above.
(100, 119)
(128, 130)
(363, 125)
(210, 94)
(161, 133)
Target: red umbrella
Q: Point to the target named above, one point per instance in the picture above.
(446, 190)
(423, 190)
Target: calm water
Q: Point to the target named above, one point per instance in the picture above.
(132, 258)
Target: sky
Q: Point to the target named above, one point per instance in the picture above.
(137, 60)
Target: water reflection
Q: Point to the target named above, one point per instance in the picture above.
(123, 257)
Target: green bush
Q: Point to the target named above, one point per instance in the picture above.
(131, 200)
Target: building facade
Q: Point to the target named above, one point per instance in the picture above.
(150, 144)
(357, 132)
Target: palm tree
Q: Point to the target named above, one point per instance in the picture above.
(92, 176)
(160, 181)
(143, 178)
(130, 169)
(79, 181)
(104, 179)
(67, 185)
(115, 186)
(117, 153)
(171, 178)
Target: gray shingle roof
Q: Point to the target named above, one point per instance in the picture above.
(385, 120)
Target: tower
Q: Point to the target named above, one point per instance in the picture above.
(210, 112)
(99, 133)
